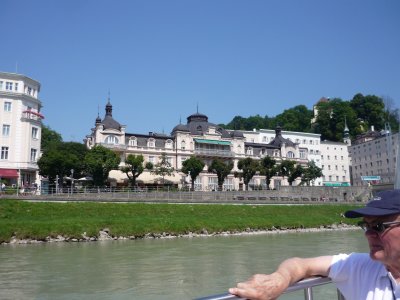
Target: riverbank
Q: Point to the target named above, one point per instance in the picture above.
(30, 222)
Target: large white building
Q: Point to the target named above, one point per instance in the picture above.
(208, 141)
(335, 163)
(373, 158)
(21, 123)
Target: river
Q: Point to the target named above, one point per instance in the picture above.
(179, 268)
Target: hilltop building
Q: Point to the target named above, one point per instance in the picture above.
(21, 127)
(208, 141)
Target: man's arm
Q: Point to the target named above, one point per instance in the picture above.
(266, 287)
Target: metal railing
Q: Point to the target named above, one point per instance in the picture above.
(306, 285)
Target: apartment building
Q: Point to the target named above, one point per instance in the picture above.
(335, 163)
(21, 123)
(374, 158)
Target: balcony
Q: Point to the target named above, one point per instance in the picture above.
(213, 152)
(29, 115)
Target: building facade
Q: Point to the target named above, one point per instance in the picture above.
(21, 127)
(335, 163)
(207, 141)
(374, 158)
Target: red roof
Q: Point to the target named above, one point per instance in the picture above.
(8, 173)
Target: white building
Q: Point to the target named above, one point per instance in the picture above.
(21, 123)
(304, 146)
(206, 141)
(373, 158)
(335, 163)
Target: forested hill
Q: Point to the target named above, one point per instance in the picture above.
(360, 113)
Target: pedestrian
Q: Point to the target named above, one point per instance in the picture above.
(358, 276)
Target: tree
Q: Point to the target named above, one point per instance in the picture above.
(370, 109)
(311, 173)
(99, 161)
(295, 119)
(222, 170)
(249, 168)
(193, 167)
(332, 118)
(286, 168)
(133, 167)
(60, 158)
(49, 137)
(268, 168)
(297, 172)
(163, 167)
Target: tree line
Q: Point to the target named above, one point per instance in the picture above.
(360, 113)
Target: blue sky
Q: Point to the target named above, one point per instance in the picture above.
(161, 59)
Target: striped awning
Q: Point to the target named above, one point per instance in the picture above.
(214, 142)
(8, 173)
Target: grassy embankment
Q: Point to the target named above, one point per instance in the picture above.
(40, 220)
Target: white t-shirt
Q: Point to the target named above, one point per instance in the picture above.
(358, 277)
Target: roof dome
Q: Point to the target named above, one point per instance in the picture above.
(181, 127)
(108, 121)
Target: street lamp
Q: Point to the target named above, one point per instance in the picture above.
(72, 181)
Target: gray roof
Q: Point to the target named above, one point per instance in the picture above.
(279, 139)
(197, 124)
(108, 122)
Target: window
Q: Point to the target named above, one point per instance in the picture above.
(16, 86)
(249, 151)
(303, 153)
(132, 141)
(6, 130)
(9, 86)
(183, 145)
(35, 132)
(168, 144)
(4, 152)
(29, 90)
(33, 154)
(264, 139)
(1, 85)
(7, 106)
(169, 160)
(290, 154)
(151, 159)
(111, 139)
(151, 143)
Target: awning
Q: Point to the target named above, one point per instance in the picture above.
(214, 142)
(336, 184)
(8, 173)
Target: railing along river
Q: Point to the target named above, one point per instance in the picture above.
(306, 285)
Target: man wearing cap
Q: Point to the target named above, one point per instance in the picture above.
(358, 276)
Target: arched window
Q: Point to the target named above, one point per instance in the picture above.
(183, 145)
(290, 154)
(111, 140)
(168, 144)
(133, 142)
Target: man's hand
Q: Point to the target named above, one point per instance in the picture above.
(262, 287)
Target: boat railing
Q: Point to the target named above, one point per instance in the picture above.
(306, 285)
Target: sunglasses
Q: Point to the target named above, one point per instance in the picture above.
(378, 227)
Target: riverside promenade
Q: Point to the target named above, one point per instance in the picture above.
(285, 195)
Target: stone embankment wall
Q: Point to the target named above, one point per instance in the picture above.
(285, 195)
